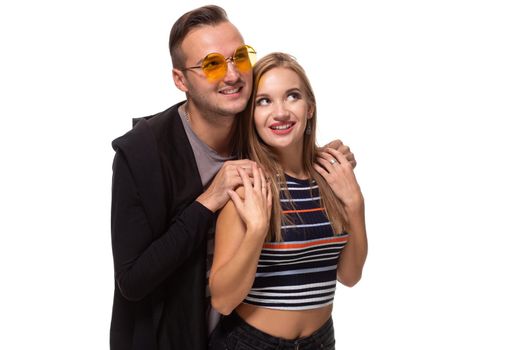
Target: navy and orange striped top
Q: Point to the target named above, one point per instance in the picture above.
(300, 272)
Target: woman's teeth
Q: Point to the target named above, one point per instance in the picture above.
(281, 127)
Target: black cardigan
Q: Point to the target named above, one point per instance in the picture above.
(158, 234)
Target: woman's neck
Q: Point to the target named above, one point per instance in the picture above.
(292, 164)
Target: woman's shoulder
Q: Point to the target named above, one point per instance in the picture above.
(229, 211)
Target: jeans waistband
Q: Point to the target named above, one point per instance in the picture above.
(321, 336)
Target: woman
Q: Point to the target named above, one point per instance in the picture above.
(285, 237)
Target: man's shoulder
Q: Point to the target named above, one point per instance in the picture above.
(161, 118)
(147, 129)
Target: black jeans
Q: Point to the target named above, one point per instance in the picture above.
(233, 333)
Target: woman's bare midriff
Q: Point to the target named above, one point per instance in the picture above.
(285, 324)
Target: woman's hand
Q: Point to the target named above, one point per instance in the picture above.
(338, 172)
(341, 147)
(240, 233)
(255, 208)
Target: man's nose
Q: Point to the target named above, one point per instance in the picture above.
(232, 74)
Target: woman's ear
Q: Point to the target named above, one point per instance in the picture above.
(179, 79)
(310, 113)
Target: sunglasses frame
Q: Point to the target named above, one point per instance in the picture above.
(250, 50)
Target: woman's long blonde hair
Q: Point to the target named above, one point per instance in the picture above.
(254, 148)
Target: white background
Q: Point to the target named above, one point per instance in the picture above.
(430, 95)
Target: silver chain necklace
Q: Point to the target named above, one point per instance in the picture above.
(187, 114)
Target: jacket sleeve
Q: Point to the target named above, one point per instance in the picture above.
(142, 262)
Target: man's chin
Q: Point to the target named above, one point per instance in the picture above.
(235, 109)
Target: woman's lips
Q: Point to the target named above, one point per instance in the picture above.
(282, 128)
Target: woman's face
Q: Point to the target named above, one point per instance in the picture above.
(281, 110)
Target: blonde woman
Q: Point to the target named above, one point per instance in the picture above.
(292, 231)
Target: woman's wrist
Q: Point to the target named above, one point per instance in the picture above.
(355, 206)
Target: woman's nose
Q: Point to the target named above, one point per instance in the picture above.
(281, 111)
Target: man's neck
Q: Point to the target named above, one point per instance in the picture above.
(214, 131)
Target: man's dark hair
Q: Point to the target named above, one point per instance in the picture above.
(206, 15)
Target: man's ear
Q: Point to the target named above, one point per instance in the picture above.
(179, 79)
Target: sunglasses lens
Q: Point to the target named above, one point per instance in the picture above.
(244, 58)
(214, 66)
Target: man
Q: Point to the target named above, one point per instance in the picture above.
(171, 174)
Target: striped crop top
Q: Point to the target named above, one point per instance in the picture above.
(300, 272)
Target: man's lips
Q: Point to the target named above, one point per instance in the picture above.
(230, 90)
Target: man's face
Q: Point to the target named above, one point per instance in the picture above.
(228, 95)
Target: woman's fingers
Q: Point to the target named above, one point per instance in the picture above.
(324, 161)
(264, 184)
(338, 156)
(321, 170)
(245, 180)
(237, 201)
(256, 177)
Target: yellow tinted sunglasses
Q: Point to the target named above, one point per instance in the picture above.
(215, 65)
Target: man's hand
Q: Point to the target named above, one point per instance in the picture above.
(228, 178)
(340, 147)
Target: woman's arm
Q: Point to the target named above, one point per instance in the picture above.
(339, 174)
(353, 256)
(240, 232)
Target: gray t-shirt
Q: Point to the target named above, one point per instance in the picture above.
(209, 163)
